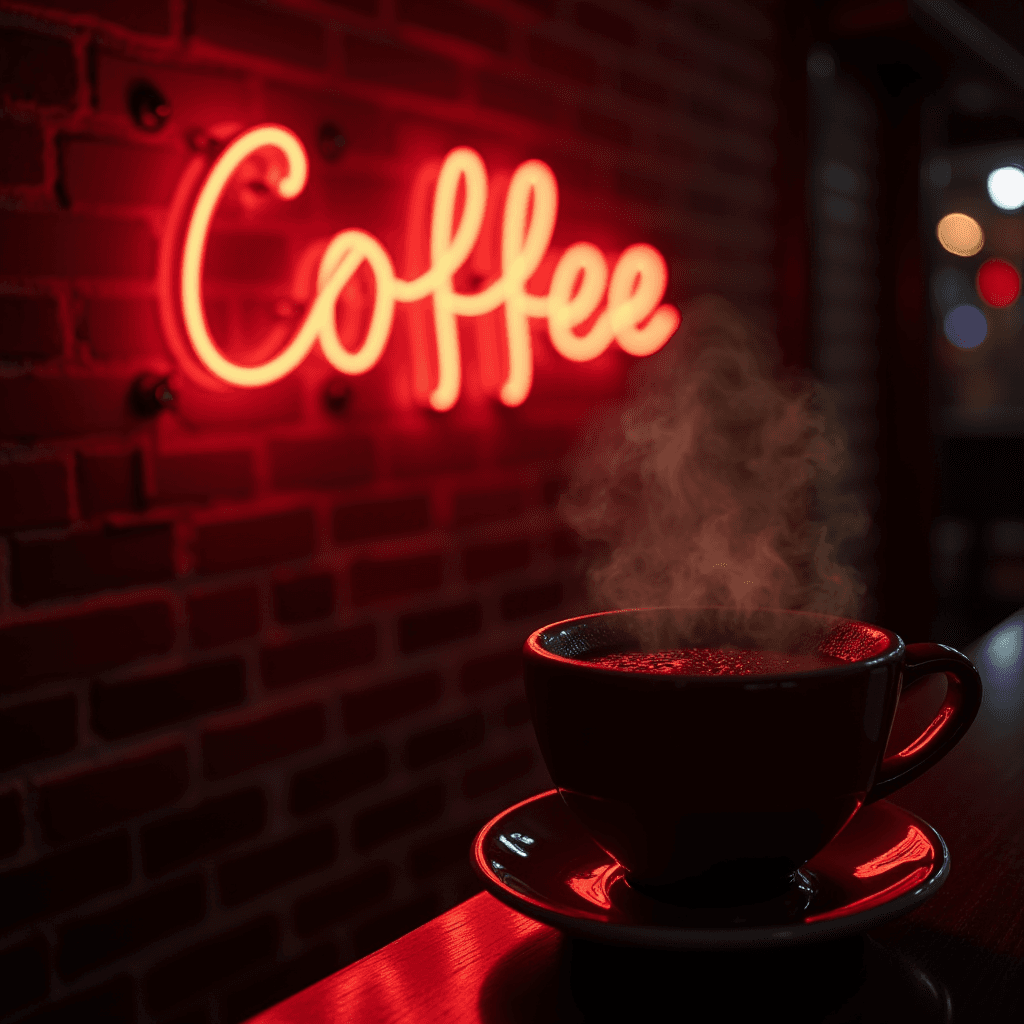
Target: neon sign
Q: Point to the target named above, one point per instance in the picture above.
(633, 316)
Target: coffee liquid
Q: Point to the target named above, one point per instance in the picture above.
(714, 661)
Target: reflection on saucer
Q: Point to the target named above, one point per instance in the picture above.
(537, 858)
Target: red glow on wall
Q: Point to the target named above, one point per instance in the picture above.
(633, 315)
(998, 282)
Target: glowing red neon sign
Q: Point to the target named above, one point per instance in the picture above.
(633, 315)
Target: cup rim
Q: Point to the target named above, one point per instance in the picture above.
(533, 647)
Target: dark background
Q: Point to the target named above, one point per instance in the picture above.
(259, 676)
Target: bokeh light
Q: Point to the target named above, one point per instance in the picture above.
(960, 234)
(966, 326)
(1006, 188)
(998, 282)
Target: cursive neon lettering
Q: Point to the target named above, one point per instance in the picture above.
(633, 317)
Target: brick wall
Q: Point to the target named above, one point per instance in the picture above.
(259, 653)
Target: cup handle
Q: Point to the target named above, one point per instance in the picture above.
(958, 711)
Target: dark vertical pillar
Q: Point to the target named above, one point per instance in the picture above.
(901, 68)
(792, 239)
(906, 444)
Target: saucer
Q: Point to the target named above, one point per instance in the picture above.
(537, 858)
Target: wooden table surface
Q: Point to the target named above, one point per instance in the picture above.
(958, 957)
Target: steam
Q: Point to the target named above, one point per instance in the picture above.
(719, 484)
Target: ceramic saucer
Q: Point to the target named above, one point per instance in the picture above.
(538, 859)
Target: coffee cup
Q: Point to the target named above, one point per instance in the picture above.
(713, 752)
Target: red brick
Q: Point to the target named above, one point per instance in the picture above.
(277, 984)
(224, 616)
(565, 543)
(321, 463)
(66, 879)
(440, 853)
(30, 327)
(491, 670)
(319, 655)
(457, 19)
(304, 599)
(203, 476)
(33, 407)
(367, 7)
(517, 604)
(553, 491)
(401, 67)
(33, 494)
(31, 732)
(25, 971)
(378, 579)
(126, 709)
(394, 923)
(204, 964)
(84, 563)
(444, 741)
(12, 826)
(601, 126)
(89, 943)
(251, 257)
(532, 443)
(394, 817)
(221, 547)
(371, 708)
(562, 60)
(21, 151)
(637, 87)
(197, 95)
(95, 171)
(74, 807)
(439, 626)
(640, 188)
(471, 507)
(367, 127)
(263, 31)
(603, 22)
(80, 644)
(518, 96)
(342, 899)
(38, 68)
(122, 329)
(113, 1002)
(425, 453)
(372, 519)
(246, 877)
(110, 483)
(329, 783)
(486, 778)
(65, 245)
(195, 834)
(233, 749)
(482, 561)
(238, 407)
(150, 17)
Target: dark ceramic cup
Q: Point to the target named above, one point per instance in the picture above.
(714, 784)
